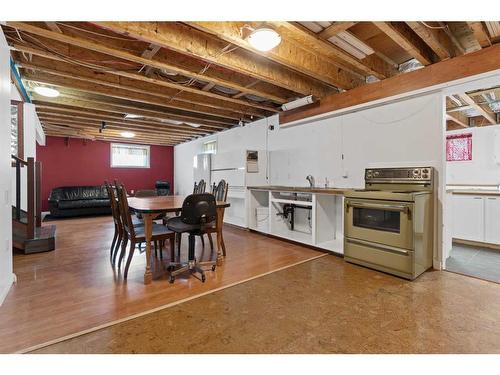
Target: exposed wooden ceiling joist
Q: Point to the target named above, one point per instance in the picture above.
(467, 99)
(435, 38)
(96, 126)
(404, 36)
(142, 123)
(480, 33)
(371, 65)
(82, 102)
(129, 125)
(274, 76)
(335, 28)
(187, 40)
(459, 121)
(193, 110)
(290, 52)
(188, 93)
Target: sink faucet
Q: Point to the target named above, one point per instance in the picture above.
(310, 178)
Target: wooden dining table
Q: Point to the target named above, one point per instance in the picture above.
(151, 207)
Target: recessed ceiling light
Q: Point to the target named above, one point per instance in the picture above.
(264, 39)
(46, 91)
(127, 134)
(193, 125)
(131, 115)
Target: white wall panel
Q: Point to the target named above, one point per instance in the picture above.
(6, 275)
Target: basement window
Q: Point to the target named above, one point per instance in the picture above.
(459, 147)
(129, 156)
(210, 147)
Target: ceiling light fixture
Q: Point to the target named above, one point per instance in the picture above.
(46, 91)
(262, 39)
(298, 103)
(127, 134)
(131, 115)
(193, 125)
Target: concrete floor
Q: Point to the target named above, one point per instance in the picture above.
(475, 261)
(321, 306)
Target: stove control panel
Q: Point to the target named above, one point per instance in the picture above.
(399, 175)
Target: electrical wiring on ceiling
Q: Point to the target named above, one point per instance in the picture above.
(96, 33)
(44, 47)
(87, 63)
(434, 27)
(193, 80)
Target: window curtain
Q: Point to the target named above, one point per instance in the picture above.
(459, 147)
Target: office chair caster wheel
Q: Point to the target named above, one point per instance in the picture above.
(213, 267)
(203, 278)
(171, 279)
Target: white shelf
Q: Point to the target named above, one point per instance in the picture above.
(291, 201)
(294, 236)
(336, 245)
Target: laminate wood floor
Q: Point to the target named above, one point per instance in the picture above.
(74, 288)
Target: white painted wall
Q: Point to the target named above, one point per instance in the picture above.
(6, 274)
(404, 133)
(484, 168)
(397, 134)
(251, 137)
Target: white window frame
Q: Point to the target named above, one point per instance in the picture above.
(146, 147)
(214, 141)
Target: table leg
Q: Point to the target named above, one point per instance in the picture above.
(218, 225)
(148, 232)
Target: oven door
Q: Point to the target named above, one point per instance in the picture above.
(384, 222)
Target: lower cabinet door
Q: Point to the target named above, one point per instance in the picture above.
(468, 217)
(492, 220)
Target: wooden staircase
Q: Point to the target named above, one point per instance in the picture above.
(28, 234)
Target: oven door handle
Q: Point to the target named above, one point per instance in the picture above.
(379, 206)
(378, 246)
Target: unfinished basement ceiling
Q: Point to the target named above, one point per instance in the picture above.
(473, 108)
(171, 75)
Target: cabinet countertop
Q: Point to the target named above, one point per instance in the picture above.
(301, 189)
(473, 192)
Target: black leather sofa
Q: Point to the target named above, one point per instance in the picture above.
(70, 201)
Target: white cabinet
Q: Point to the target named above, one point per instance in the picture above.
(492, 220)
(476, 218)
(468, 220)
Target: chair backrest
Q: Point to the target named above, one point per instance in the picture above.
(121, 192)
(162, 188)
(199, 209)
(145, 193)
(115, 210)
(220, 190)
(199, 188)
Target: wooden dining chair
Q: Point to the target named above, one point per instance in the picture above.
(219, 191)
(199, 188)
(118, 235)
(136, 234)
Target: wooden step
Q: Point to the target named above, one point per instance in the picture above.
(45, 240)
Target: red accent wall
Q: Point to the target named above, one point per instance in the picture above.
(88, 163)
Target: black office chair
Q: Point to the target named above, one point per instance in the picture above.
(198, 212)
(162, 188)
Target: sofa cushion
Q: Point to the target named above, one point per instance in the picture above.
(83, 203)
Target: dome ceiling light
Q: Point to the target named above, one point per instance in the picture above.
(46, 91)
(263, 38)
(127, 134)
